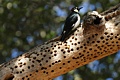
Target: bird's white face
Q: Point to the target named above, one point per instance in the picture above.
(76, 10)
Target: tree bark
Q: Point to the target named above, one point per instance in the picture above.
(98, 36)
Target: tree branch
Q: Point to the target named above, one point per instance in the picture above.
(97, 37)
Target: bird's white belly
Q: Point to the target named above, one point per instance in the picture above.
(78, 22)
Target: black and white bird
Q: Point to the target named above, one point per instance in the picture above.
(71, 23)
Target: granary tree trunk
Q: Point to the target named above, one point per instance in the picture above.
(98, 36)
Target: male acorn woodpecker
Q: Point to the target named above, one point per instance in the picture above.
(71, 23)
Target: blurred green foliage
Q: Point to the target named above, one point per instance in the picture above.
(27, 23)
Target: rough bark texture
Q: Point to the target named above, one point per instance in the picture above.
(97, 37)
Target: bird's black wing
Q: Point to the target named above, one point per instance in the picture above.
(70, 21)
(69, 24)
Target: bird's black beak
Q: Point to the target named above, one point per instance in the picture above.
(80, 8)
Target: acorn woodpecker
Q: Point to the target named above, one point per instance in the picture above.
(71, 23)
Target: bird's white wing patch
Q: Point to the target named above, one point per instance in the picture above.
(73, 25)
(64, 31)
